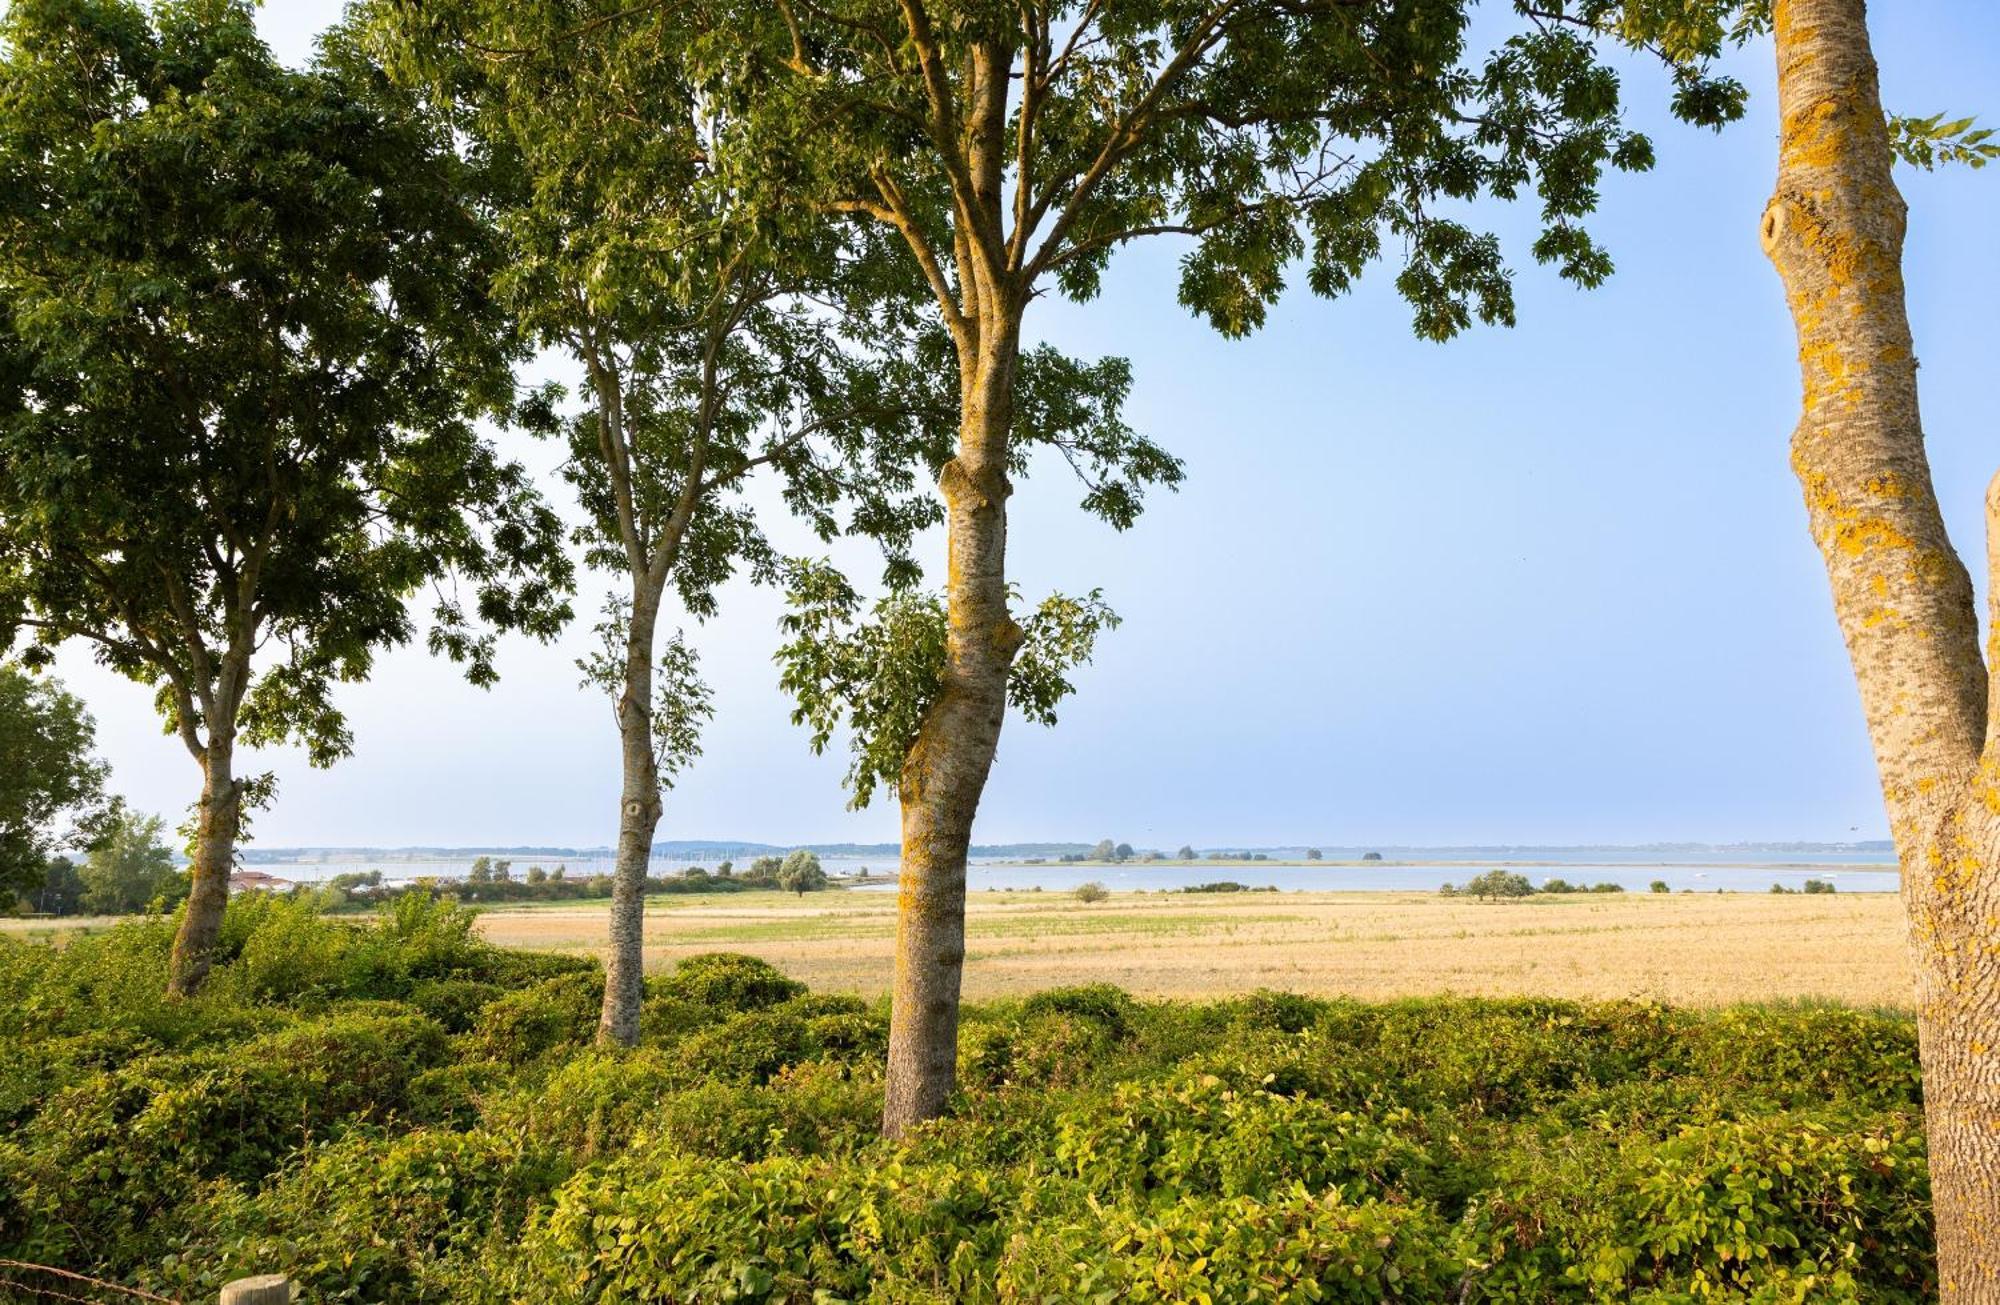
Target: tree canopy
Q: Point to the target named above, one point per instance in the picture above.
(244, 340)
(51, 783)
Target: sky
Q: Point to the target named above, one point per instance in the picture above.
(1547, 585)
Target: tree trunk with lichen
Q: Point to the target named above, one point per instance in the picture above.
(1834, 229)
(946, 770)
(638, 817)
(217, 823)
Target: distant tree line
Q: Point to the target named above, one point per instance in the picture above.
(1501, 885)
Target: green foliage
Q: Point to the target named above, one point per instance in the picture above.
(51, 788)
(801, 873)
(244, 342)
(557, 1015)
(724, 981)
(129, 868)
(682, 703)
(1932, 142)
(879, 676)
(1503, 884)
(1292, 1245)
(1272, 1147)
(1091, 892)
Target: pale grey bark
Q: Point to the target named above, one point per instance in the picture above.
(1834, 229)
(945, 773)
(638, 817)
(218, 821)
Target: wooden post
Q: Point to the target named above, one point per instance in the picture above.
(270, 1289)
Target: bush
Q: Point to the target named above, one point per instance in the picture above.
(557, 1015)
(1499, 885)
(112, 1156)
(1092, 892)
(1784, 1207)
(390, 1110)
(727, 982)
(1658, 886)
(370, 1218)
(1292, 1246)
(679, 1229)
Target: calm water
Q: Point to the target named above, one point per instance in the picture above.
(1705, 877)
(1850, 872)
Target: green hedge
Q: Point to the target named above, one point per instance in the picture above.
(393, 1111)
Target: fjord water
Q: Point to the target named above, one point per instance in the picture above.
(1405, 870)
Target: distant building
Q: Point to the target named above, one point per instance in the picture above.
(256, 881)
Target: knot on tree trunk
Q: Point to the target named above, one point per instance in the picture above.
(1008, 637)
(971, 491)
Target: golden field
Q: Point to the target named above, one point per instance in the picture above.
(1698, 949)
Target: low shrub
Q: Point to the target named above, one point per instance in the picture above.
(554, 1016)
(726, 981)
(370, 1218)
(1294, 1245)
(392, 1111)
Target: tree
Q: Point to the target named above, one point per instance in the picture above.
(1013, 148)
(1834, 230)
(482, 870)
(130, 867)
(1092, 892)
(537, 875)
(1312, 854)
(51, 787)
(62, 888)
(1186, 853)
(1123, 852)
(715, 349)
(244, 338)
(1499, 885)
(1658, 886)
(1105, 850)
(801, 873)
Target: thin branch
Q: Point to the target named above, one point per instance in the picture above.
(1124, 135)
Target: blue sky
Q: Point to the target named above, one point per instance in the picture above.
(1550, 584)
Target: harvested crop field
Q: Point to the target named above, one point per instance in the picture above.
(1700, 949)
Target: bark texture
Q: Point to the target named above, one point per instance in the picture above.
(1834, 229)
(945, 772)
(638, 816)
(217, 824)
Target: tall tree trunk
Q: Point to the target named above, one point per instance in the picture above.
(946, 770)
(638, 817)
(1834, 229)
(217, 824)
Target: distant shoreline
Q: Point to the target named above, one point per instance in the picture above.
(1519, 854)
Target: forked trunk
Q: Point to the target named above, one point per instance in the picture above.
(217, 823)
(1834, 229)
(638, 817)
(946, 770)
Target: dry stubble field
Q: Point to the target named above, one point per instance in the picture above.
(1698, 949)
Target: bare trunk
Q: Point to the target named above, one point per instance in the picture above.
(638, 817)
(945, 772)
(217, 823)
(1953, 898)
(1834, 229)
